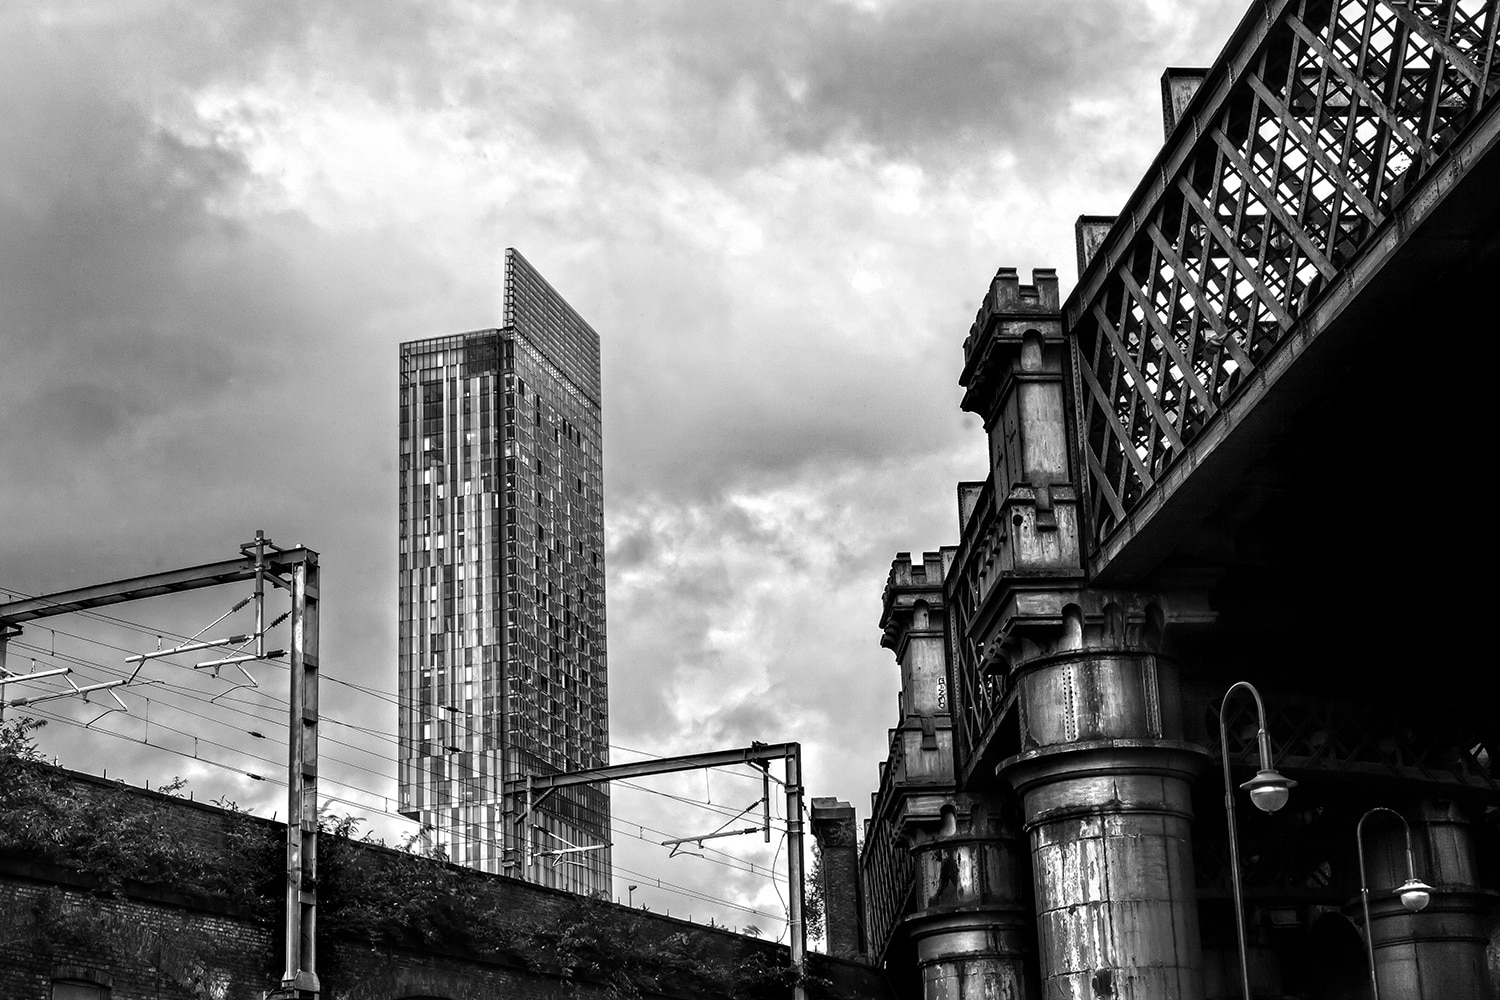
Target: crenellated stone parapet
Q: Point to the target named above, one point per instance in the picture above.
(1014, 374)
(913, 625)
(912, 601)
(1008, 314)
(908, 574)
(916, 778)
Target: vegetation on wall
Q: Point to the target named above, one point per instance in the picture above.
(812, 907)
(368, 892)
(106, 836)
(402, 897)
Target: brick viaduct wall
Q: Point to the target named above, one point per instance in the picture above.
(160, 942)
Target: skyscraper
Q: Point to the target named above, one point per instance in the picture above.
(501, 588)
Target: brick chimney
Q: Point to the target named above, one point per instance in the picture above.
(843, 912)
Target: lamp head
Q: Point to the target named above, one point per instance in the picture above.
(1269, 789)
(1415, 894)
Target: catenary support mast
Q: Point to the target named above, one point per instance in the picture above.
(536, 787)
(296, 570)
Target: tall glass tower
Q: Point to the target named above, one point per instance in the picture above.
(501, 587)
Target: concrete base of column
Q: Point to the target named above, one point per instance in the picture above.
(973, 956)
(1438, 952)
(1110, 827)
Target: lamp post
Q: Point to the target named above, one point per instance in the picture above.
(1415, 894)
(1268, 792)
(630, 898)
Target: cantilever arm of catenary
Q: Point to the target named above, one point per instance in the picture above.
(677, 842)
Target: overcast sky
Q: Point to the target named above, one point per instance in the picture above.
(218, 220)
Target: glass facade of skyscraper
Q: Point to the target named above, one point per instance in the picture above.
(501, 592)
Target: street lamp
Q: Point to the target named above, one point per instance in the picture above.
(1268, 793)
(630, 897)
(1414, 893)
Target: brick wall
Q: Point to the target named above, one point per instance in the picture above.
(165, 943)
(52, 929)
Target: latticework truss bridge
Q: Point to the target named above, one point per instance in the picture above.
(1238, 451)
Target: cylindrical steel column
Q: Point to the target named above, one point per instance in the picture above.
(972, 922)
(1106, 793)
(1440, 951)
(971, 956)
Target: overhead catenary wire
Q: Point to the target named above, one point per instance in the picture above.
(730, 861)
(664, 884)
(391, 699)
(380, 694)
(374, 692)
(367, 690)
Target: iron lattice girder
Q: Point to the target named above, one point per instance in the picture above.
(1433, 750)
(1285, 177)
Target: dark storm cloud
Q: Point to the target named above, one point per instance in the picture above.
(945, 82)
(767, 390)
(913, 75)
(177, 361)
(97, 205)
(217, 219)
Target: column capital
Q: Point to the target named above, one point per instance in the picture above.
(832, 822)
(1040, 623)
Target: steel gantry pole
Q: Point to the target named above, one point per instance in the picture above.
(301, 978)
(535, 788)
(267, 563)
(796, 929)
(6, 631)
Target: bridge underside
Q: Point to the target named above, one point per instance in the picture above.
(1339, 538)
(1336, 531)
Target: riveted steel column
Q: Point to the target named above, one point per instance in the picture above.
(1440, 951)
(1106, 793)
(972, 924)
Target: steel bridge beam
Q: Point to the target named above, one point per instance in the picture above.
(154, 585)
(762, 753)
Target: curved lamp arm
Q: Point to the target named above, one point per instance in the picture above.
(1268, 791)
(1415, 894)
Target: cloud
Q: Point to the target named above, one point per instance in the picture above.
(761, 609)
(217, 221)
